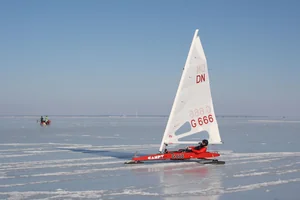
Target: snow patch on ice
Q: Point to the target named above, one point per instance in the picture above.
(251, 174)
(259, 185)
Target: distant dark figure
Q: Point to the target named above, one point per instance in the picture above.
(42, 119)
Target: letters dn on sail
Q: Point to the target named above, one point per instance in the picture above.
(200, 78)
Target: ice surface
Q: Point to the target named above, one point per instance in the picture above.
(82, 158)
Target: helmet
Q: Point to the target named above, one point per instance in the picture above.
(205, 142)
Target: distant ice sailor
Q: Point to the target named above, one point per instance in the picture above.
(46, 119)
(42, 119)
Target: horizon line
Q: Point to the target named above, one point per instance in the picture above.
(133, 115)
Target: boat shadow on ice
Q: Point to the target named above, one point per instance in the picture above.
(105, 153)
(127, 155)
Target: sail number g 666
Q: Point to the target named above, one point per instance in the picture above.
(202, 120)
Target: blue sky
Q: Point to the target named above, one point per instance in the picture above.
(100, 57)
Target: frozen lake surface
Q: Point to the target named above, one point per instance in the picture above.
(82, 158)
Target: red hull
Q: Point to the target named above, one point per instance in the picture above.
(176, 155)
(45, 123)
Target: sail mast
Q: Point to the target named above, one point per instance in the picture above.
(177, 92)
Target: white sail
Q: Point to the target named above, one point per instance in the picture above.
(193, 103)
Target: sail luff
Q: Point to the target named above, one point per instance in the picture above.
(177, 92)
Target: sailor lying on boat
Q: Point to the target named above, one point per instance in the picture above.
(201, 148)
